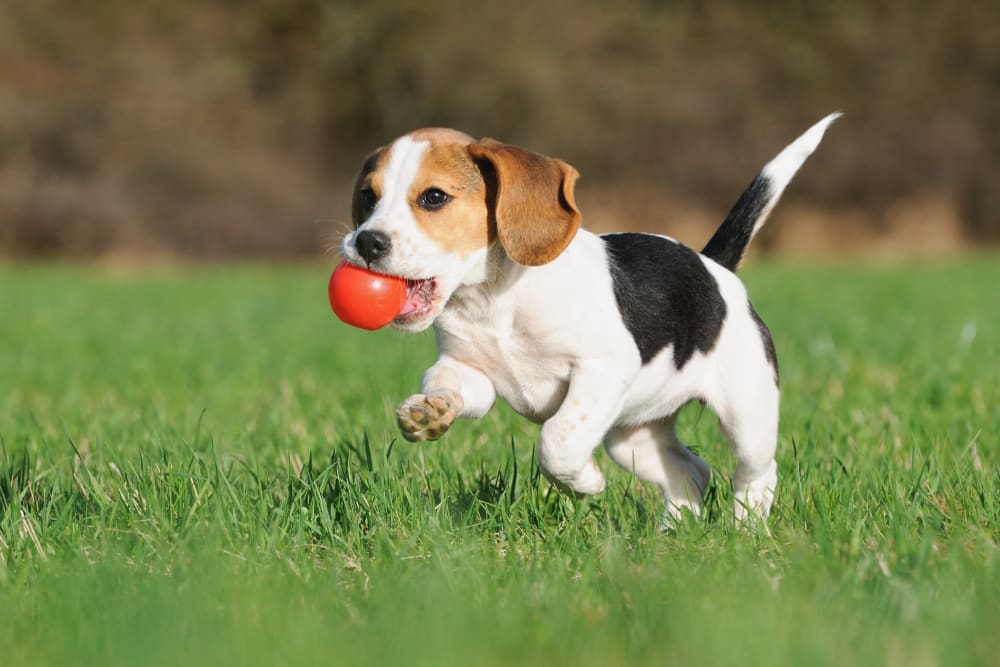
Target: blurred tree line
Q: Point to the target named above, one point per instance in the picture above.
(215, 128)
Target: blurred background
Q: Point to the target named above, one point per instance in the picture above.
(217, 129)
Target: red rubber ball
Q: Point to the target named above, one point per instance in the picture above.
(365, 299)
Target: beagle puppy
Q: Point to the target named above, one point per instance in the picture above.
(598, 338)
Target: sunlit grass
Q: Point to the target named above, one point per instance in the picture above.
(201, 465)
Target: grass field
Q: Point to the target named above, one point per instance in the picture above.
(201, 466)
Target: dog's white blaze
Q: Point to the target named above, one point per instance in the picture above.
(412, 252)
(392, 214)
(405, 157)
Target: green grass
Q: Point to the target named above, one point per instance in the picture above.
(200, 465)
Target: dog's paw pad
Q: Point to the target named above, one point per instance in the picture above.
(439, 403)
(419, 415)
(427, 417)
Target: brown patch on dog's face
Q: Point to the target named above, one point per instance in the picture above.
(448, 196)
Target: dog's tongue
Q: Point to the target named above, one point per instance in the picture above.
(415, 299)
(412, 303)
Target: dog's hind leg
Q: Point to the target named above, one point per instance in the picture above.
(750, 423)
(654, 454)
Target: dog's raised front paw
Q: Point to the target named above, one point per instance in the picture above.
(428, 416)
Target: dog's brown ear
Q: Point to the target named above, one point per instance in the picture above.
(530, 198)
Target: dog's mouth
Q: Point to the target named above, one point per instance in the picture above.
(419, 303)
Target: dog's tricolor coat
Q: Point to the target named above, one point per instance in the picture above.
(597, 338)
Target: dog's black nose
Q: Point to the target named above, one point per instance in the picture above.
(372, 245)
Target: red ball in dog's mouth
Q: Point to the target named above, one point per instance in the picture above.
(370, 300)
(363, 298)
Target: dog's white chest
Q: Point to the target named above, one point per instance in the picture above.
(524, 369)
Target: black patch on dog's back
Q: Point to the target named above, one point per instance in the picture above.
(665, 295)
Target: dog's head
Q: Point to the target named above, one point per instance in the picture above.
(430, 206)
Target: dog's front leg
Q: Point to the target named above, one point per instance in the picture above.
(449, 389)
(569, 437)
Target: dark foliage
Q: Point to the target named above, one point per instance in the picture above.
(223, 128)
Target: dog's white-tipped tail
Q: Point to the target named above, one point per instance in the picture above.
(785, 164)
(750, 213)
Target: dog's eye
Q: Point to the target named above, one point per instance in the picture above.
(433, 199)
(368, 201)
